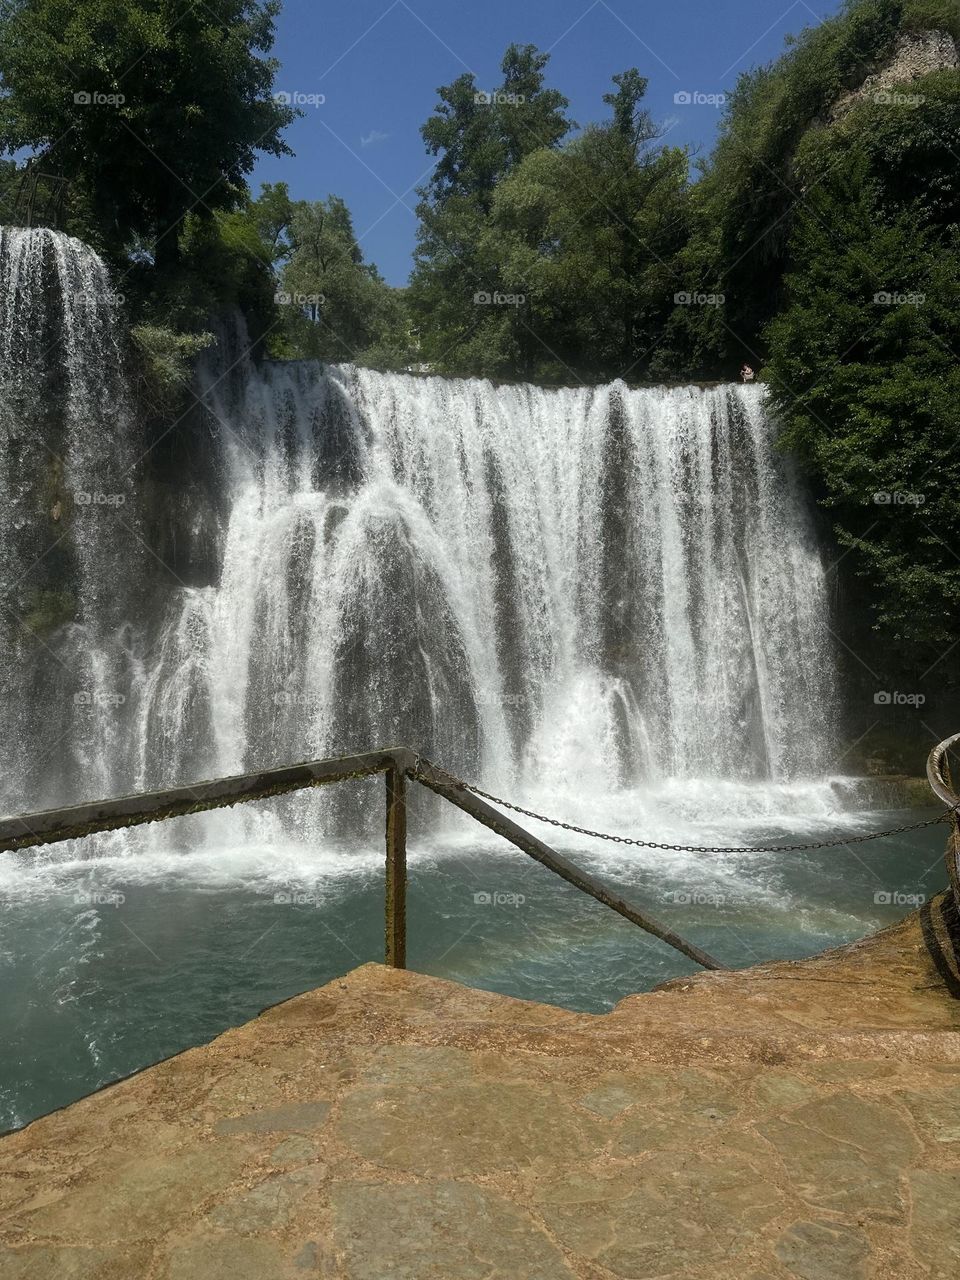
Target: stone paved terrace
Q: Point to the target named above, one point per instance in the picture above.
(792, 1120)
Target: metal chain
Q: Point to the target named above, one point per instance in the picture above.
(700, 848)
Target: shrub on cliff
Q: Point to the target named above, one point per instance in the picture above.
(164, 361)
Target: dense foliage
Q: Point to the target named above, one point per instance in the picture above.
(837, 211)
(864, 355)
(479, 137)
(561, 270)
(335, 306)
(750, 193)
(152, 107)
(624, 266)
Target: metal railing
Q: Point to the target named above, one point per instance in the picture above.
(939, 775)
(940, 918)
(399, 764)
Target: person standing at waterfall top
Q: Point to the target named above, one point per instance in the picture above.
(747, 374)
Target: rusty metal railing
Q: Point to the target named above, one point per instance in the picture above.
(399, 764)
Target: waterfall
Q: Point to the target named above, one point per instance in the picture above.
(605, 587)
(67, 445)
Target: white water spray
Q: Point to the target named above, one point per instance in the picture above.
(558, 582)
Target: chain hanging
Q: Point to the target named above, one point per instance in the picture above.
(697, 848)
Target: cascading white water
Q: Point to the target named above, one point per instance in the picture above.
(67, 443)
(603, 581)
(602, 587)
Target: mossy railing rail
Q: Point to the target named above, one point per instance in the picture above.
(399, 764)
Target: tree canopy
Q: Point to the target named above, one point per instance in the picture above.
(479, 137)
(335, 305)
(864, 354)
(152, 108)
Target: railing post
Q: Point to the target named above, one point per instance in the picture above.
(396, 886)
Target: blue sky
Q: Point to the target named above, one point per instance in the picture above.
(378, 63)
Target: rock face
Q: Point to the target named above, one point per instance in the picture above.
(915, 56)
(791, 1120)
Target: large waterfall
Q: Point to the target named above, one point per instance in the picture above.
(603, 587)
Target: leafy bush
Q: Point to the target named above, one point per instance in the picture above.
(165, 362)
(751, 192)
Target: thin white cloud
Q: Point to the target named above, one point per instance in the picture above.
(373, 138)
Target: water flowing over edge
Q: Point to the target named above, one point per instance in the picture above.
(572, 593)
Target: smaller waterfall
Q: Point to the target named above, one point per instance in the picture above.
(69, 543)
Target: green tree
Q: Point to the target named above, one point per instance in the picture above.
(750, 193)
(154, 108)
(336, 306)
(9, 184)
(584, 235)
(864, 355)
(479, 136)
(273, 215)
(630, 121)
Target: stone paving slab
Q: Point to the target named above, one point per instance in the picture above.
(791, 1120)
